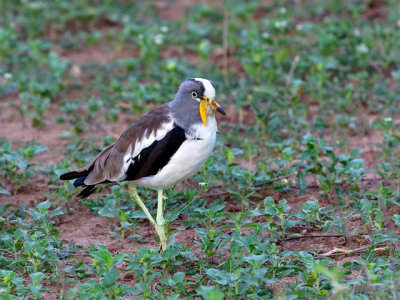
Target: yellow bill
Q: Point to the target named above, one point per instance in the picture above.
(204, 103)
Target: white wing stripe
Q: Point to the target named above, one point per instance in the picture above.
(141, 144)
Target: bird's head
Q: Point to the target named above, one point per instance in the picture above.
(197, 96)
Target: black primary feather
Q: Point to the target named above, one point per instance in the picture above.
(73, 175)
(80, 179)
(87, 191)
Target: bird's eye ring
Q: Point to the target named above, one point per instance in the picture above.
(194, 94)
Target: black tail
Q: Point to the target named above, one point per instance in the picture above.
(87, 191)
(80, 181)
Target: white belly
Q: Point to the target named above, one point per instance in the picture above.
(187, 160)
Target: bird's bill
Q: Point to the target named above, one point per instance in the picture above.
(204, 103)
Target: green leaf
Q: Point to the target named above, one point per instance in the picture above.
(265, 90)
(283, 206)
(210, 293)
(37, 277)
(178, 277)
(396, 219)
(270, 207)
(250, 70)
(5, 192)
(256, 261)
(356, 152)
(218, 276)
(110, 277)
(107, 212)
(396, 74)
(138, 215)
(301, 182)
(57, 212)
(114, 234)
(281, 55)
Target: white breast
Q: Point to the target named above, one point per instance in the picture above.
(187, 160)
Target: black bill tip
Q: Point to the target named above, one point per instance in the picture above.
(221, 110)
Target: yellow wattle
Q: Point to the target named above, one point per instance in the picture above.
(203, 111)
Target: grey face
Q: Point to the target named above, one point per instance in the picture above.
(185, 106)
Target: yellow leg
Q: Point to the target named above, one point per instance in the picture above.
(159, 225)
(132, 190)
(161, 221)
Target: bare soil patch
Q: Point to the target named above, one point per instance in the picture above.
(99, 54)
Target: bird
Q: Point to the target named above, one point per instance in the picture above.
(165, 146)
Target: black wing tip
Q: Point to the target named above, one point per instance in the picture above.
(87, 191)
(75, 174)
(70, 175)
(64, 176)
(80, 181)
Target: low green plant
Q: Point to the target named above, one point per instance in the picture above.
(211, 237)
(16, 165)
(103, 267)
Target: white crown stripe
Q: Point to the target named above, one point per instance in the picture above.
(209, 90)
